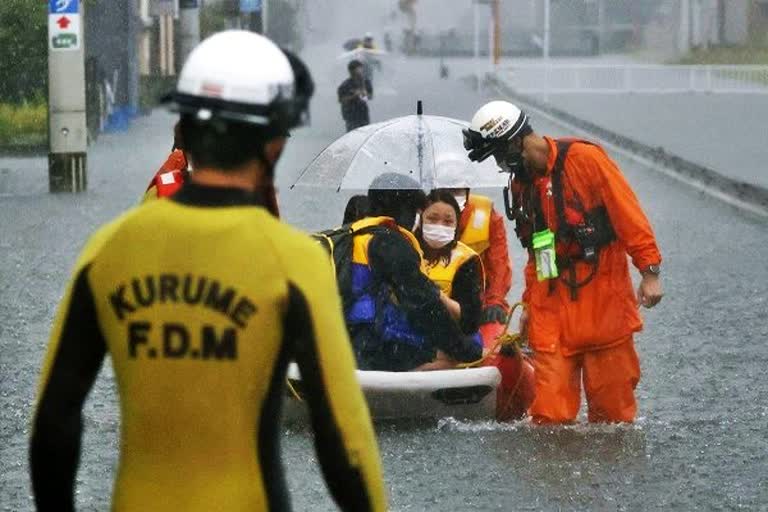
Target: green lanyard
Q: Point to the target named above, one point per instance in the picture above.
(543, 244)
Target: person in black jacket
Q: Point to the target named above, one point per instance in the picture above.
(396, 318)
(354, 94)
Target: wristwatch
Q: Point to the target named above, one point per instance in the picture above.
(653, 270)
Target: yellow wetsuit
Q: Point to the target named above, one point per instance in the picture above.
(201, 301)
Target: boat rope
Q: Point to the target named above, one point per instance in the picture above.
(507, 339)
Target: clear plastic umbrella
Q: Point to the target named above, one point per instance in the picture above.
(428, 149)
(361, 53)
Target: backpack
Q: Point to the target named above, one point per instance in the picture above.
(339, 242)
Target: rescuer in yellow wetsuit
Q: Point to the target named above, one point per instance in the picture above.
(200, 338)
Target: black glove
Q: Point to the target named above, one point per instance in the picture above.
(494, 314)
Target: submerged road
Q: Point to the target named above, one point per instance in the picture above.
(700, 441)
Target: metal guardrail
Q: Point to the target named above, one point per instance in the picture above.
(747, 196)
(634, 78)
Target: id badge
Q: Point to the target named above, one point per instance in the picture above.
(544, 254)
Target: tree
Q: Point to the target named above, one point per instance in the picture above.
(23, 50)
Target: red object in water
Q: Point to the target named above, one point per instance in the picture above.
(516, 392)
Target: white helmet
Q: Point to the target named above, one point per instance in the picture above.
(242, 76)
(493, 124)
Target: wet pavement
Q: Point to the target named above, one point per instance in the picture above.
(702, 436)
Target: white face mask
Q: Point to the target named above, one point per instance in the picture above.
(462, 200)
(437, 236)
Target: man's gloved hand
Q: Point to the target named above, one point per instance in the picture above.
(494, 313)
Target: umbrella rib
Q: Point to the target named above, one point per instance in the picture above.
(307, 168)
(434, 160)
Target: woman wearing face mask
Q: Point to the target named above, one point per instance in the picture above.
(450, 264)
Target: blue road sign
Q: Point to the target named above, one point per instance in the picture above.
(64, 6)
(248, 6)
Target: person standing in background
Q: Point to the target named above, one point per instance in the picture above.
(354, 94)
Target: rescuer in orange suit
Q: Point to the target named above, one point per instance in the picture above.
(489, 239)
(578, 218)
(172, 174)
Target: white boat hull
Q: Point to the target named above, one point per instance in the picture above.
(463, 394)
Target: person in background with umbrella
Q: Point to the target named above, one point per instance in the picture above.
(354, 94)
(396, 318)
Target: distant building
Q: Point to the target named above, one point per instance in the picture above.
(678, 26)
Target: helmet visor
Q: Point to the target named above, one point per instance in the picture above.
(479, 147)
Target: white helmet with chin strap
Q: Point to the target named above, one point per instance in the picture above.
(244, 77)
(494, 124)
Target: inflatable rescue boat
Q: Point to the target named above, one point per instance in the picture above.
(469, 393)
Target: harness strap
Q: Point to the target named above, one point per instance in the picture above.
(563, 229)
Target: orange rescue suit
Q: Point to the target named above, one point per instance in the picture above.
(174, 173)
(482, 229)
(592, 334)
(169, 177)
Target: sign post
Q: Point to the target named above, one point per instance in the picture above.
(67, 132)
(255, 10)
(166, 11)
(189, 27)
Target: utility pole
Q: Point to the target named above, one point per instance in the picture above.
(496, 32)
(684, 34)
(166, 11)
(67, 132)
(189, 27)
(476, 41)
(476, 25)
(600, 26)
(265, 17)
(546, 29)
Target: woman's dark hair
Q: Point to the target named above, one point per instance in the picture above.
(357, 208)
(443, 254)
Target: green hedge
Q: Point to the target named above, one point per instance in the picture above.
(24, 125)
(23, 50)
(728, 55)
